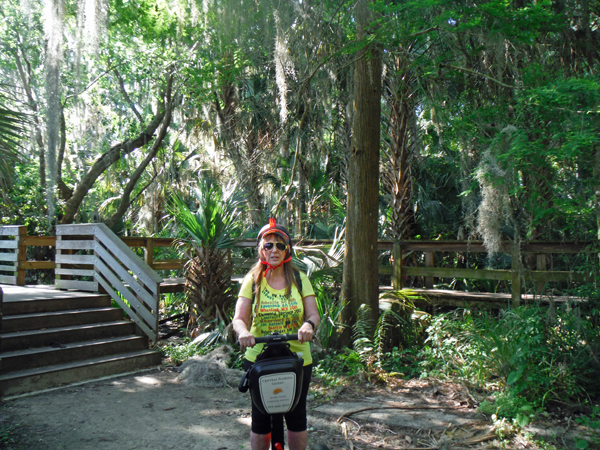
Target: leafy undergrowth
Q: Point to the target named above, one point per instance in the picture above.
(522, 367)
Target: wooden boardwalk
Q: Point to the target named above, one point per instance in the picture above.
(38, 292)
(434, 297)
(483, 300)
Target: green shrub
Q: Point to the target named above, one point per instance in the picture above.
(534, 355)
(403, 362)
(593, 422)
(339, 365)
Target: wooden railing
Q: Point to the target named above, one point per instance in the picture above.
(13, 250)
(94, 255)
(13, 253)
(516, 275)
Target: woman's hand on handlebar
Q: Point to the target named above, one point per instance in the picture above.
(246, 340)
(305, 333)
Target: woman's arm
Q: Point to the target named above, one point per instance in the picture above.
(241, 322)
(311, 312)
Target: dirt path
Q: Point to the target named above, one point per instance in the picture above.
(156, 411)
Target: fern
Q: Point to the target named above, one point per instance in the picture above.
(412, 323)
(361, 333)
(386, 321)
(330, 311)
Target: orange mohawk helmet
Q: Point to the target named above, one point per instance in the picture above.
(274, 228)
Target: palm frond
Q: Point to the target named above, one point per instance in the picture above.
(12, 129)
(216, 223)
(405, 297)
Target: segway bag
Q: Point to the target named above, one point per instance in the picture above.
(275, 379)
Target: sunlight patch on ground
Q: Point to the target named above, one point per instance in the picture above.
(148, 381)
(245, 421)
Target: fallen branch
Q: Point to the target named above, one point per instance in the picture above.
(398, 407)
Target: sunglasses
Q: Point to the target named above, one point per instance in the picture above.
(280, 246)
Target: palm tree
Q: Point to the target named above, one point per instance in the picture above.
(11, 129)
(212, 230)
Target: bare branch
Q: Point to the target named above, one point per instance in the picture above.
(479, 74)
(126, 95)
(289, 188)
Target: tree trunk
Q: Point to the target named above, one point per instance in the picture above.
(245, 162)
(26, 79)
(400, 151)
(105, 161)
(53, 85)
(361, 275)
(65, 191)
(126, 197)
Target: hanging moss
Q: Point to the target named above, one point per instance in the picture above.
(495, 209)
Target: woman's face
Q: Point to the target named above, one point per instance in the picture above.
(273, 256)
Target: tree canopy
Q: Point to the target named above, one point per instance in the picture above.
(488, 122)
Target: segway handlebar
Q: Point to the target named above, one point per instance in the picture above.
(272, 338)
(276, 338)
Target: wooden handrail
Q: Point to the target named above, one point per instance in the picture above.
(398, 249)
(13, 252)
(505, 247)
(516, 275)
(122, 274)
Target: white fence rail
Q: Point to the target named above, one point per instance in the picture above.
(89, 255)
(12, 251)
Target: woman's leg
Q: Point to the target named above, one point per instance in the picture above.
(260, 441)
(297, 433)
(260, 435)
(297, 440)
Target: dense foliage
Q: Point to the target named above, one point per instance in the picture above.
(489, 112)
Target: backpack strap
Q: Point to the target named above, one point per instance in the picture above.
(298, 281)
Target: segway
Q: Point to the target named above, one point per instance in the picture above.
(275, 381)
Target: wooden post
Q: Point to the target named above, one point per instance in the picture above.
(540, 265)
(58, 266)
(516, 270)
(21, 255)
(149, 252)
(429, 262)
(397, 266)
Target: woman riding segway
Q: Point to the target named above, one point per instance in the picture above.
(275, 297)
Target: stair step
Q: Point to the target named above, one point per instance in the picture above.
(38, 305)
(20, 340)
(16, 383)
(62, 353)
(26, 322)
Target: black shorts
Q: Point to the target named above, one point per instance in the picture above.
(295, 419)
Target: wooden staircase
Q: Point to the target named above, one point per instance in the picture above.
(65, 337)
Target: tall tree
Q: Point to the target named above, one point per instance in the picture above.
(361, 273)
(53, 24)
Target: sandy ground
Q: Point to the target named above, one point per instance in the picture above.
(156, 410)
